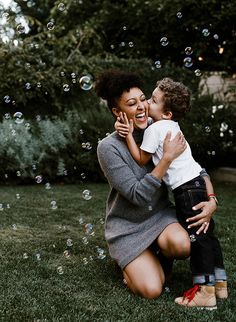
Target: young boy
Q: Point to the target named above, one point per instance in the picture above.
(170, 101)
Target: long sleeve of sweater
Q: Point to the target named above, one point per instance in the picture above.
(119, 168)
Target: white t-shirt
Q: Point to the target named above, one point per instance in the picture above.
(184, 167)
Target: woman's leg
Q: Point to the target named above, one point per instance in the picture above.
(174, 242)
(144, 275)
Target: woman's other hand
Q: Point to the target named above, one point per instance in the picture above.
(203, 219)
(173, 148)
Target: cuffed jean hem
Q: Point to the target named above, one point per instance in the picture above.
(204, 279)
(220, 274)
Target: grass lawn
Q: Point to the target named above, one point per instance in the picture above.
(52, 269)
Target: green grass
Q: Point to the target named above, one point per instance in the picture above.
(33, 289)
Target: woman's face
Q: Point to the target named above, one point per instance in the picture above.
(135, 105)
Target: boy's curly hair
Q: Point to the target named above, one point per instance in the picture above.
(176, 97)
(112, 83)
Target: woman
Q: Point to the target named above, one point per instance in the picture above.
(139, 213)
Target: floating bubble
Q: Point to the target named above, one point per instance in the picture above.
(5, 16)
(207, 129)
(73, 75)
(188, 62)
(197, 72)
(215, 36)
(91, 258)
(83, 176)
(27, 86)
(7, 99)
(188, 50)
(13, 132)
(81, 221)
(223, 127)
(14, 226)
(205, 32)
(1, 207)
(150, 208)
(85, 240)
(18, 117)
(62, 74)
(124, 28)
(81, 131)
(8, 206)
(25, 256)
(53, 205)
(179, 15)
(38, 179)
(18, 173)
(101, 253)
(61, 7)
(7, 116)
(38, 257)
(192, 238)
(34, 167)
(20, 29)
(86, 82)
(74, 81)
(66, 254)
(164, 41)
(47, 186)
(60, 270)
(86, 194)
(50, 25)
(66, 87)
(17, 196)
(69, 242)
(131, 44)
(101, 220)
(38, 118)
(89, 229)
(27, 65)
(27, 126)
(85, 260)
(38, 85)
(6, 175)
(157, 64)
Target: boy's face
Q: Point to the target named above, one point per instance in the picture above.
(156, 105)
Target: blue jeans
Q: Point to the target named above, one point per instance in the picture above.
(206, 255)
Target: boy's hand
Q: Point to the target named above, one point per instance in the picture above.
(123, 126)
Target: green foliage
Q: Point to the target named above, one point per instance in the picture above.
(41, 282)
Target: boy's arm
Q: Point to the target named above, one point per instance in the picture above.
(140, 156)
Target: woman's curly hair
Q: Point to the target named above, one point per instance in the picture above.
(176, 97)
(111, 84)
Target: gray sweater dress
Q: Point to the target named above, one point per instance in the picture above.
(137, 208)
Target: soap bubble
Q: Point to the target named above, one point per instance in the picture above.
(39, 85)
(188, 62)
(60, 270)
(205, 32)
(101, 253)
(83, 175)
(85, 240)
(89, 229)
(66, 88)
(81, 221)
(179, 15)
(7, 99)
(7, 116)
(86, 194)
(38, 257)
(164, 41)
(157, 64)
(86, 82)
(27, 126)
(27, 86)
(17, 196)
(1, 207)
(47, 186)
(5, 16)
(20, 29)
(197, 72)
(50, 25)
(38, 179)
(25, 256)
(53, 205)
(61, 6)
(14, 227)
(38, 118)
(85, 260)
(69, 242)
(18, 117)
(131, 44)
(207, 129)
(66, 254)
(188, 50)
(215, 36)
(192, 238)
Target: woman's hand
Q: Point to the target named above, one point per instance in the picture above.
(173, 148)
(203, 219)
(123, 126)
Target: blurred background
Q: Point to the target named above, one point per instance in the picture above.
(51, 53)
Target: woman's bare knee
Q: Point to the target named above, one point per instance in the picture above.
(151, 291)
(174, 241)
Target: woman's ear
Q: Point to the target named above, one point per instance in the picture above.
(167, 115)
(115, 111)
